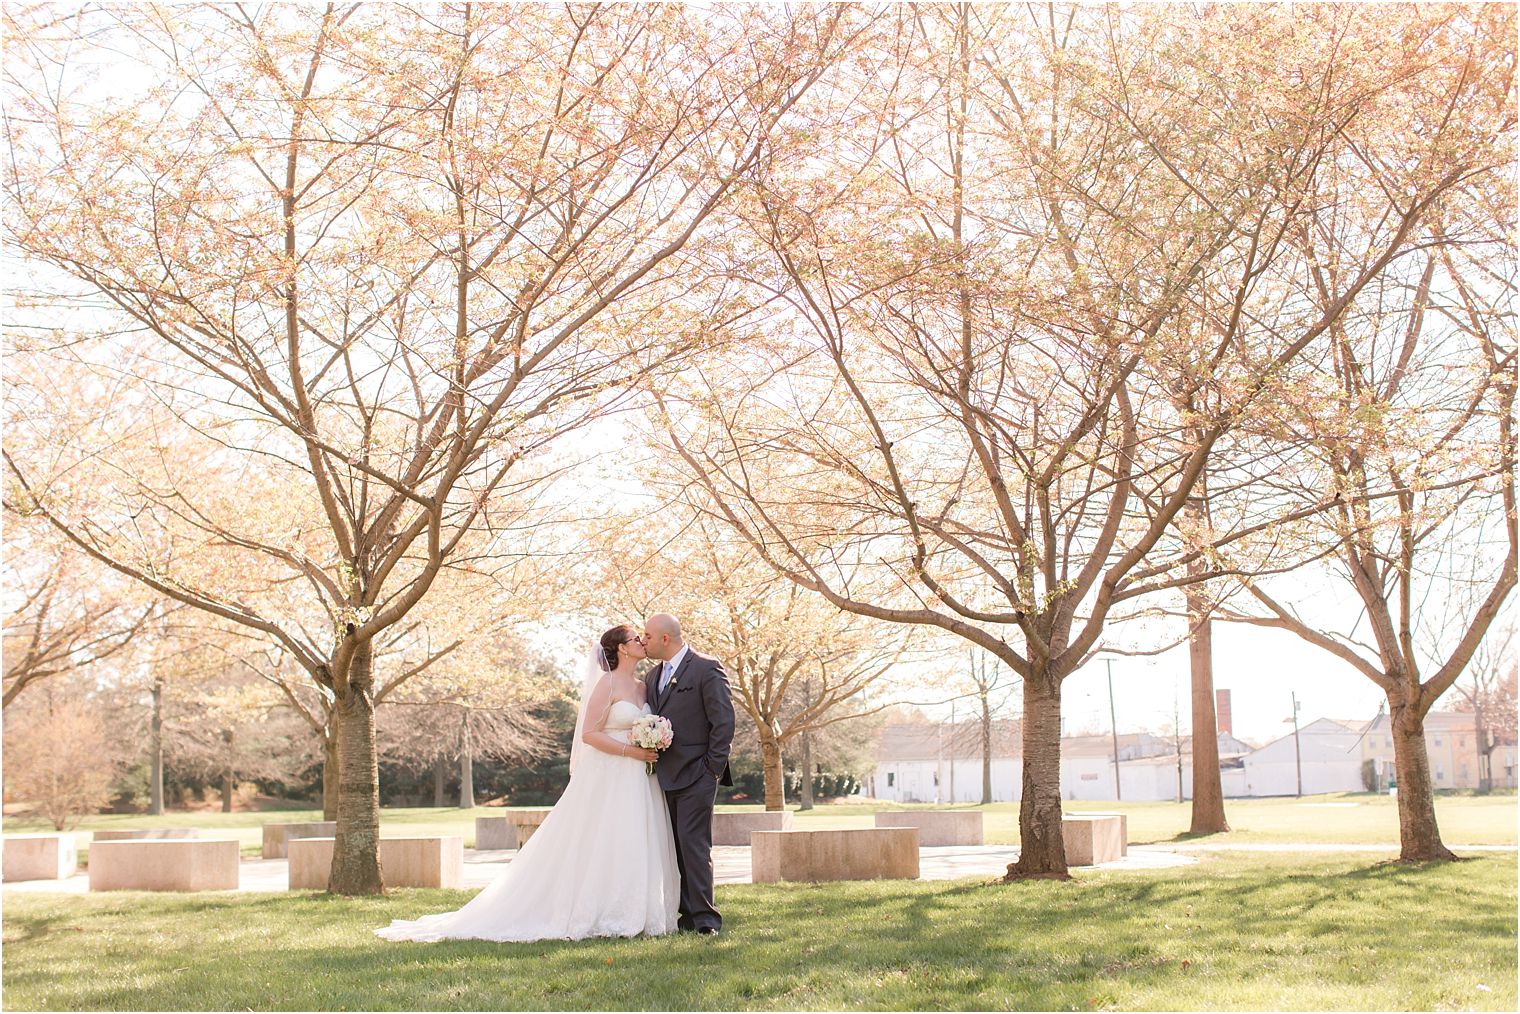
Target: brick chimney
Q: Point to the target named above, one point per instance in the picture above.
(1222, 712)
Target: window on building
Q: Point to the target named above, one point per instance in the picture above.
(936, 778)
(1438, 741)
(890, 779)
(1440, 775)
(1388, 741)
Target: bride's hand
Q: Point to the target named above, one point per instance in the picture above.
(647, 756)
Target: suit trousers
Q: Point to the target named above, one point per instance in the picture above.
(691, 811)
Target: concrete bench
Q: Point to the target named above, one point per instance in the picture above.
(735, 828)
(1123, 830)
(937, 827)
(404, 862)
(277, 836)
(40, 857)
(871, 853)
(1092, 839)
(146, 834)
(164, 864)
(510, 830)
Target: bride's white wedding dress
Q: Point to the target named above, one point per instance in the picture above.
(602, 864)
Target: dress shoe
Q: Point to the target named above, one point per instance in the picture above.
(708, 931)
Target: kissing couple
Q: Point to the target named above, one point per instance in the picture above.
(627, 849)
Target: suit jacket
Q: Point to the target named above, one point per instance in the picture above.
(701, 712)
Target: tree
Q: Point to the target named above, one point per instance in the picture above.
(61, 613)
(978, 402)
(377, 257)
(991, 687)
(231, 730)
(481, 701)
(1488, 694)
(60, 754)
(1412, 428)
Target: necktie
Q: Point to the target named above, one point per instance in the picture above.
(664, 676)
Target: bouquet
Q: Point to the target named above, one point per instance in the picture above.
(652, 732)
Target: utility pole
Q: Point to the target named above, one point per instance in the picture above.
(1298, 756)
(1113, 723)
(954, 737)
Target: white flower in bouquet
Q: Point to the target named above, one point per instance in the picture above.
(652, 732)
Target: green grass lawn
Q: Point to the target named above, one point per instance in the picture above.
(1306, 931)
(1337, 818)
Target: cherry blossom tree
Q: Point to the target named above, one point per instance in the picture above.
(987, 308)
(379, 255)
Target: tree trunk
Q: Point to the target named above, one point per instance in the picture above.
(156, 751)
(330, 773)
(440, 781)
(1419, 837)
(1208, 790)
(1484, 750)
(1042, 852)
(228, 776)
(356, 852)
(986, 746)
(466, 764)
(775, 778)
(805, 794)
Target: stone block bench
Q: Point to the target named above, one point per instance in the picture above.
(937, 827)
(871, 853)
(164, 864)
(40, 857)
(1092, 839)
(277, 836)
(735, 828)
(1123, 830)
(404, 862)
(146, 834)
(510, 830)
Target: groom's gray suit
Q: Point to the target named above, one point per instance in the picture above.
(696, 701)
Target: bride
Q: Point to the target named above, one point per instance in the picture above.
(603, 863)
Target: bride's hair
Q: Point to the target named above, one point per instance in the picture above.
(611, 641)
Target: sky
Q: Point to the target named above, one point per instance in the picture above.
(1263, 669)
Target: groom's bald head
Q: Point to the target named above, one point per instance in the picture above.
(662, 636)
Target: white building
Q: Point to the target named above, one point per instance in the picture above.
(1330, 755)
(927, 762)
(1148, 767)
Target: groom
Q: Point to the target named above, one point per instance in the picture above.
(691, 690)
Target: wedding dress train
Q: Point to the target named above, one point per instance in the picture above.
(602, 864)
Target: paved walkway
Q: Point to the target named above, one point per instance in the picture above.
(1289, 846)
(731, 865)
